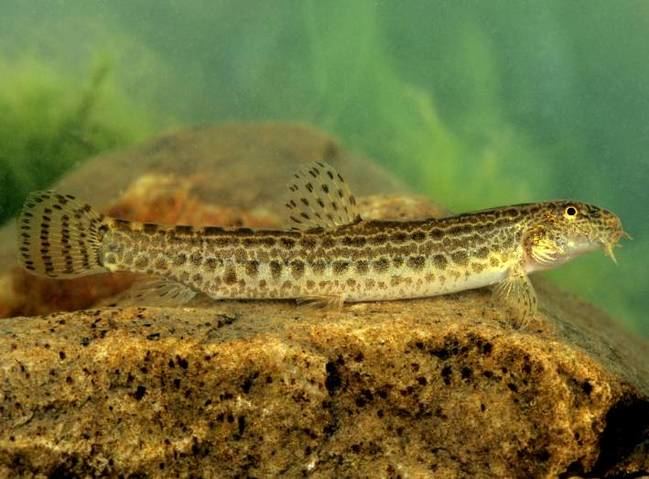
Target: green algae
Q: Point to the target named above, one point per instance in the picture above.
(50, 122)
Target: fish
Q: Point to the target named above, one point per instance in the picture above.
(330, 255)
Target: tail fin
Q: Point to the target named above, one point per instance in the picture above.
(59, 237)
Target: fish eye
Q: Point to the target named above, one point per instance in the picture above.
(570, 212)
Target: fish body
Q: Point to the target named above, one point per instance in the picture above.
(330, 254)
(361, 262)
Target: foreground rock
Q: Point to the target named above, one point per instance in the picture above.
(441, 387)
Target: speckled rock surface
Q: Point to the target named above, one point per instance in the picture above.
(441, 387)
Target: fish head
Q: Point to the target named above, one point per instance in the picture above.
(562, 230)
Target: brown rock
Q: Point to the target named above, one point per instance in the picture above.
(441, 387)
(228, 175)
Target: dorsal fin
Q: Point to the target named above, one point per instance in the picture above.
(320, 198)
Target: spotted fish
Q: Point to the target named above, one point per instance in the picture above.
(329, 255)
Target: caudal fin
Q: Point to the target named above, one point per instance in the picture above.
(58, 236)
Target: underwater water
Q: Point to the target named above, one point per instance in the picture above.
(476, 104)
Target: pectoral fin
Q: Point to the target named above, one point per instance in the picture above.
(517, 292)
(545, 252)
(541, 248)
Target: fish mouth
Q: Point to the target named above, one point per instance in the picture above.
(614, 242)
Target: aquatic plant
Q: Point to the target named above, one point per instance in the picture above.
(50, 122)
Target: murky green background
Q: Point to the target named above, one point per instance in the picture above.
(477, 103)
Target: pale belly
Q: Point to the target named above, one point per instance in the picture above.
(392, 284)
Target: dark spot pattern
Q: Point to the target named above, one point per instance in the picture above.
(416, 262)
(460, 257)
(252, 268)
(297, 268)
(275, 269)
(230, 276)
(381, 265)
(340, 267)
(440, 261)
